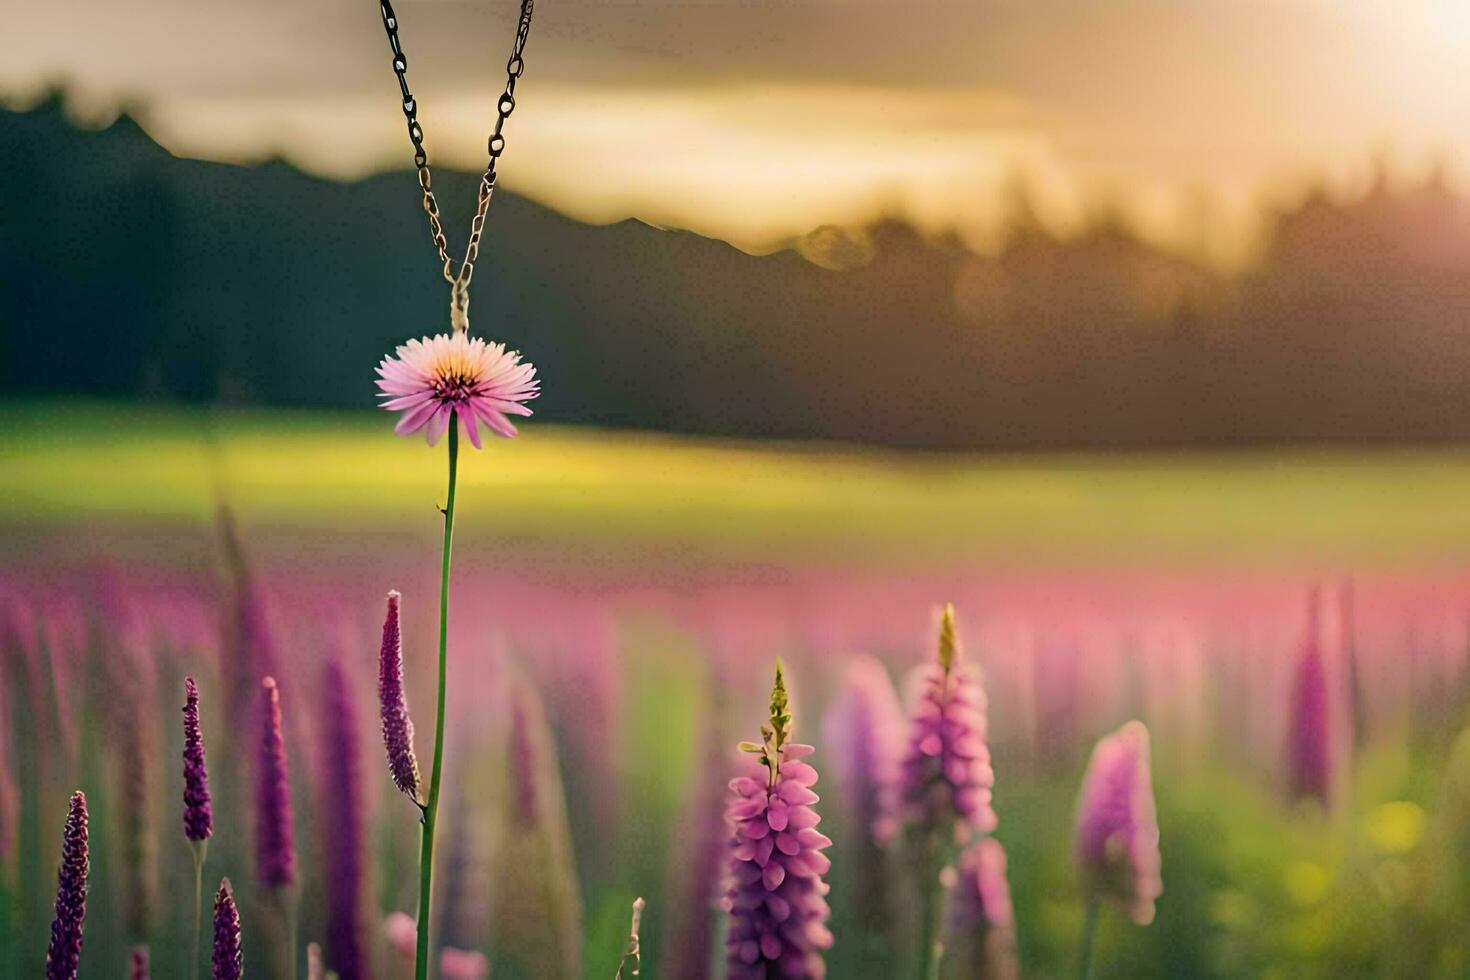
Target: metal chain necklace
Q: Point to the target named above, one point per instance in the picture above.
(459, 282)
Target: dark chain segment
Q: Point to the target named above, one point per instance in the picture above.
(458, 282)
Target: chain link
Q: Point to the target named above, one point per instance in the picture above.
(459, 282)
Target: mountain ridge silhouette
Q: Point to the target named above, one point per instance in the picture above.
(126, 272)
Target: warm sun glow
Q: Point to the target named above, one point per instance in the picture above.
(1184, 119)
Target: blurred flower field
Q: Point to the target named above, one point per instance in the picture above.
(1293, 628)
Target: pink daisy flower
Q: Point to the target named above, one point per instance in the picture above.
(436, 379)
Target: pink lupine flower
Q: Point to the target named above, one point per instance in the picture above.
(982, 934)
(438, 379)
(463, 964)
(864, 731)
(946, 774)
(526, 756)
(1309, 733)
(1117, 841)
(777, 897)
(863, 734)
(138, 964)
(402, 934)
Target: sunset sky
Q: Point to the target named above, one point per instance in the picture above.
(753, 120)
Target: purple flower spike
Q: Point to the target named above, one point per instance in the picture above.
(946, 778)
(275, 850)
(342, 842)
(1117, 845)
(397, 725)
(777, 898)
(525, 758)
(198, 813)
(980, 921)
(65, 951)
(229, 961)
(864, 732)
(1309, 732)
(138, 964)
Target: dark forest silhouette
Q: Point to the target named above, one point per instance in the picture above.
(125, 272)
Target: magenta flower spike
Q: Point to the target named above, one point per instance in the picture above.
(463, 964)
(777, 897)
(864, 732)
(65, 951)
(946, 777)
(138, 968)
(438, 379)
(198, 811)
(275, 849)
(982, 929)
(1117, 839)
(402, 934)
(343, 831)
(1309, 751)
(397, 724)
(228, 959)
(526, 759)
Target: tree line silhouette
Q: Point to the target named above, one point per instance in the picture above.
(126, 272)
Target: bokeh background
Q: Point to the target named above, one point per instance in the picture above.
(1137, 330)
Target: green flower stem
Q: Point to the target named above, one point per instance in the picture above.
(1089, 937)
(935, 901)
(199, 847)
(431, 806)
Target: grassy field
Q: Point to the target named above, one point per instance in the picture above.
(1256, 883)
(110, 465)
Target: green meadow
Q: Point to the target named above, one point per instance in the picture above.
(617, 493)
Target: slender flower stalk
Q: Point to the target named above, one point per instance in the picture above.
(945, 777)
(65, 951)
(275, 848)
(397, 724)
(777, 897)
(138, 968)
(449, 383)
(431, 805)
(229, 960)
(342, 838)
(633, 956)
(1117, 838)
(198, 809)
